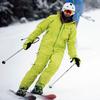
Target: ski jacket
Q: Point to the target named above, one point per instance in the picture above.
(56, 36)
(79, 9)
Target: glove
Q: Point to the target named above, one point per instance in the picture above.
(26, 45)
(76, 60)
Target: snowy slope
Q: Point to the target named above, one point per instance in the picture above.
(78, 84)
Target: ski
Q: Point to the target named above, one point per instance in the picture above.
(43, 96)
(31, 96)
(27, 97)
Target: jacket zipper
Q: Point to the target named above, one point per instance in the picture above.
(58, 36)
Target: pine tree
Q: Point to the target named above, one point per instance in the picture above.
(47, 7)
(6, 14)
(23, 8)
(91, 4)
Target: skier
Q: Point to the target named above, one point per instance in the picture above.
(60, 29)
(79, 9)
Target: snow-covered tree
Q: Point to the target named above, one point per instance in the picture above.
(46, 7)
(34, 9)
(23, 8)
(91, 4)
(6, 14)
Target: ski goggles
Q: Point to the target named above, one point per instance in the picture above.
(69, 12)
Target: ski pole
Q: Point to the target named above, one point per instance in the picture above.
(4, 61)
(50, 86)
(22, 39)
(37, 39)
(88, 18)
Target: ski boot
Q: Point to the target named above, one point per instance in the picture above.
(21, 92)
(37, 90)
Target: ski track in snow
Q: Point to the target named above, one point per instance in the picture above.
(78, 84)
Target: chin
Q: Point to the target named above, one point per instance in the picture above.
(67, 16)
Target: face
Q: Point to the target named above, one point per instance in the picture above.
(68, 13)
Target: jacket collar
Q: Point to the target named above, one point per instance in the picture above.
(59, 14)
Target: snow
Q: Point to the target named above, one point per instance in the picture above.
(78, 84)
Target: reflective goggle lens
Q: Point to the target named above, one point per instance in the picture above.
(69, 12)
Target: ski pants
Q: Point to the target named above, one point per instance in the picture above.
(47, 65)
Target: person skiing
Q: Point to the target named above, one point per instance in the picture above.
(60, 29)
(79, 9)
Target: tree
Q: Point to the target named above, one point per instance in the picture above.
(23, 8)
(91, 4)
(46, 7)
(6, 14)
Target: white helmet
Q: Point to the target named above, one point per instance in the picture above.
(69, 6)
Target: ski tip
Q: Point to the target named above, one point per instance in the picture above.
(12, 91)
(31, 97)
(51, 96)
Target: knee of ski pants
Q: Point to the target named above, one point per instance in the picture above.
(55, 62)
(40, 63)
(51, 69)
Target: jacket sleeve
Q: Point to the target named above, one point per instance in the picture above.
(40, 29)
(72, 42)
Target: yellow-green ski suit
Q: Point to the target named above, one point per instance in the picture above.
(51, 49)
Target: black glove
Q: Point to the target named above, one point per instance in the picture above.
(26, 45)
(76, 60)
